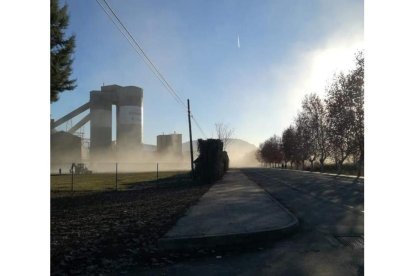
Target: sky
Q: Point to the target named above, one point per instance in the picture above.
(247, 64)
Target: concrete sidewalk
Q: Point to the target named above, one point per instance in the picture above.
(235, 210)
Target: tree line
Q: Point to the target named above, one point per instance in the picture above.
(329, 130)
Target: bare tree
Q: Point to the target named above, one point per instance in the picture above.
(305, 149)
(345, 110)
(308, 125)
(258, 155)
(333, 127)
(224, 133)
(270, 152)
(316, 119)
(340, 120)
(356, 89)
(289, 144)
(276, 148)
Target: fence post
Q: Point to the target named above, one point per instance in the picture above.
(72, 178)
(116, 176)
(157, 172)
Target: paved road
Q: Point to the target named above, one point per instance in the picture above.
(329, 241)
(340, 190)
(321, 202)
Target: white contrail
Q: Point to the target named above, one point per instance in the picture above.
(238, 41)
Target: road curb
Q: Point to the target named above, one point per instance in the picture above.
(320, 173)
(235, 239)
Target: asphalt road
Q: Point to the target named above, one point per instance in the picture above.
(322, 202)
(329, 240)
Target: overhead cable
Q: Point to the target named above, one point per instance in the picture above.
(135, 45)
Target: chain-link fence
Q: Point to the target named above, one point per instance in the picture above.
(110, 176)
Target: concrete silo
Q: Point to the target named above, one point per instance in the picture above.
(101, 124)
(128, 101)
(129, 120)
(170, 144)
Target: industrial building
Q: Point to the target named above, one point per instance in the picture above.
(129, 122)
(170, 144)
(65, 148)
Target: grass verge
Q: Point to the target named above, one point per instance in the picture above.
(105, 181)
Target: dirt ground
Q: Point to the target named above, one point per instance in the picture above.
(104, 232)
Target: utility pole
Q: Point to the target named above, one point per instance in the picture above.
(191, 138)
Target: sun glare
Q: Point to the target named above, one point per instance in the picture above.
(327, 62)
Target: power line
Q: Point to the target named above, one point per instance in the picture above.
(145, 55)
(198, 126)
(131, 40)
(139, 52)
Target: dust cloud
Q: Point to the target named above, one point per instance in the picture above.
(108, 161)
(145, 158)
(241, 154)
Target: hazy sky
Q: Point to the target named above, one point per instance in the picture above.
(287, 49)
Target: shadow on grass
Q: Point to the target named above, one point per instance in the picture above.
(125, 182)
(177, 180)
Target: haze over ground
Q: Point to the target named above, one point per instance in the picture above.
(286, 51)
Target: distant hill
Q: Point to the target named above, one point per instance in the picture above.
(241, 153)
(234, 143)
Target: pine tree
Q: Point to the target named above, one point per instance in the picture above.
(61, 50)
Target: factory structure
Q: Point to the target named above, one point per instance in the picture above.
(170, 144)
(66, 148)
(128, 146)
